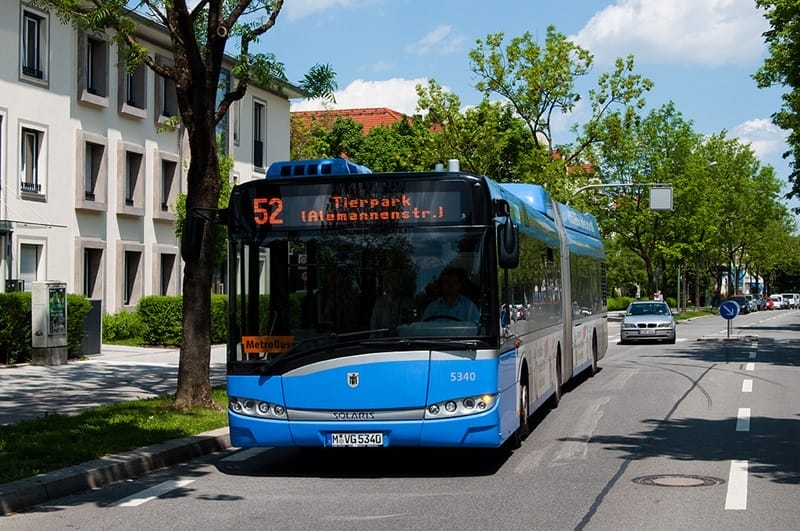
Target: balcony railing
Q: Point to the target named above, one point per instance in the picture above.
(30, 188)
(32, 72)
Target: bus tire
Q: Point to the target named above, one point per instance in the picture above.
(594, 368)
(524, 428)
(555, 398)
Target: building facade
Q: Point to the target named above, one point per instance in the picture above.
(89, 175)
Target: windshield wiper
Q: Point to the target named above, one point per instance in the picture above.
(429, 343)
(305, 348)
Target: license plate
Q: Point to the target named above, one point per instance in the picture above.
(646, 332)
(350, 440)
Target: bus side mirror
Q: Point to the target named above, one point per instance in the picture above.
(192, 236)
(194, 227)
(508, 244)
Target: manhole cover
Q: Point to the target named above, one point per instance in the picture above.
(677, 480)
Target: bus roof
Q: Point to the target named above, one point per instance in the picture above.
(304, 168)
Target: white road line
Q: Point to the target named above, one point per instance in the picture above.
(750, 367)
(736, 500)
(243, 455)
(743, 419)
(152, 493)
(747, 386)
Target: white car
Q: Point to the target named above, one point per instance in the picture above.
(790, 300)
(777, 301)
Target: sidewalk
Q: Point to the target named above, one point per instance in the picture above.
(117, 374)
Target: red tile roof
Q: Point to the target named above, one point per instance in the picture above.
(368, 117)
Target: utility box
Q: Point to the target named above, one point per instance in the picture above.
(49, 323)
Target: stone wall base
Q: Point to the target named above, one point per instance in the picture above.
(49, 356)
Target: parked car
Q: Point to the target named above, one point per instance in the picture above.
(777, 300)
(790, 300)
(752, 305)
(649, 321)
(769, 304)
(761, 302)
(741, 300)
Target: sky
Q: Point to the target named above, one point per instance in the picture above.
(700, 54)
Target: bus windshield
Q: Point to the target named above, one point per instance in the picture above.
(418, 282)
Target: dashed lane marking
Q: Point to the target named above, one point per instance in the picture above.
(152, 493)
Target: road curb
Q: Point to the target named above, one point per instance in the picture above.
(25, 493)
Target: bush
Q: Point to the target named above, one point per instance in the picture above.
(219, 319)
(78, 308)
(15, 327)
(123, 326)
(162, 316)
(619, 303)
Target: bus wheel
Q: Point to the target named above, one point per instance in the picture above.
(594, 355)
(524, 428)
(555, 398)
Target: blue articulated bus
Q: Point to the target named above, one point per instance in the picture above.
(432, 309)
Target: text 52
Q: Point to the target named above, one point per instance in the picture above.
(267, 210)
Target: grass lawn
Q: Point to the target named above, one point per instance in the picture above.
(56, 441)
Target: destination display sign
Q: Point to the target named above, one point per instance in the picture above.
(303, 205)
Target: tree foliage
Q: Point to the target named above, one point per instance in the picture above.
(782, 68)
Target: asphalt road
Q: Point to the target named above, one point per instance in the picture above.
(703, 434)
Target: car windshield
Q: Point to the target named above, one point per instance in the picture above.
(648, 309)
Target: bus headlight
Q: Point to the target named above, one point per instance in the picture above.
(256, 408)
(470, 405)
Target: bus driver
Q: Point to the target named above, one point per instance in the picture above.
(452, 304)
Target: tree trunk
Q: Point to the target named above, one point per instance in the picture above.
(194, 383)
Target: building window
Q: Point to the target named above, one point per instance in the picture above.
(97, 66)
(29, 258)
(169, 170)
(259, 129)
(93, 162)
(169, 97)
(31, 161)
(131, 283)
(236, 119)
(2, 148)
(167, 274)
(135, 83)
(130, 181)
(33, 48)
(133, 166)
(131, 87)
(92, 269)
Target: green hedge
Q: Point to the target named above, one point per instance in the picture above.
(158, 320)
(621, 303)
(161, 319)
(15, 325)
(123, 327)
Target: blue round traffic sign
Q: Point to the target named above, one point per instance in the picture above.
(729, 309)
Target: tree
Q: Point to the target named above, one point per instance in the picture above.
(538, 82)
(199, 37)
(782, 67)
(637, 152)
(487, 139)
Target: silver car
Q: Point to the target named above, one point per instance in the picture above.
(648, 320)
